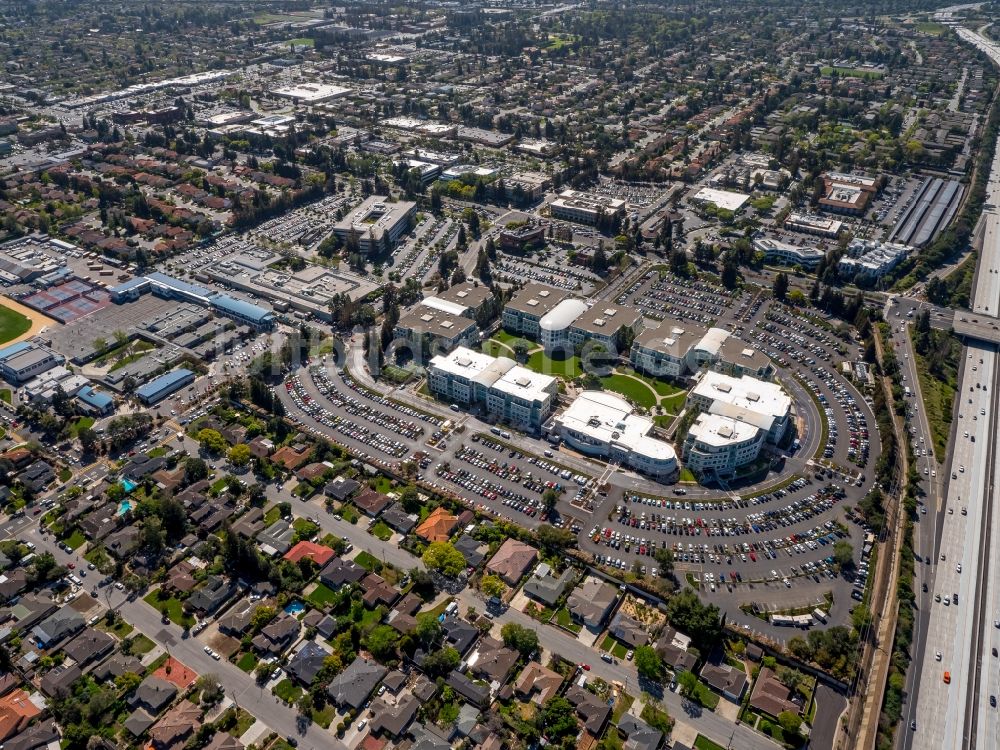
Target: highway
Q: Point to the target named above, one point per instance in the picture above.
(961, 637)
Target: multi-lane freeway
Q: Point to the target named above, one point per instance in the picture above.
(959, 672)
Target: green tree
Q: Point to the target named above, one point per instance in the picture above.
(441, 662)
(521, 639)
(195, 469)
(381, 642)
(212, 441)
(428, 628)
(688, 682)
(703, 622)
(558, 719)
(492, 585)
(239, 455)
(790, 721)
(549, 499)
(843, 554)
(781, 286)
(443, 556)
(648, 663)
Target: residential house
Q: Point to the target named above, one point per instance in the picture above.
(58, 681)
(591, 602)
(341, 488)
(492, 661)
(725, 679)
(352, 687)
(340, 571)
(176, 726)
(471, 549)
(592, 712)
(277, 538)
(770, 696)
(277, 636)
(377, 591)
(153, 695)
(628, 630)
(544, 587)
(318, 553)
(89, 645)
(393, 719)
(36, 736)
(237, 620)
(512, 561)
(123, 542)
(438, 526)
(537, 683)
(56, 627)
(307, 662)
(117, 665)
(223, 741)
(458, 633)
(370, 502)
(13, 583)
(216, 592)
(16, 712)
(398, 519)
(639, 735)
(250, 524)
(673, 649)
(476, 693)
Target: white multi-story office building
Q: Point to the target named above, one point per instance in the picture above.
(716, 446)
(602, 424)
(528, 306)
(509, 392)
(585, 208)
(756, 402)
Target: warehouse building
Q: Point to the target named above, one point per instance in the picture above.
(159, 388)
(604, 425)
(508, 392)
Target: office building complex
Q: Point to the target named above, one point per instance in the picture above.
(508, 392)
(377, 224)
(755, 402)
(602, 424)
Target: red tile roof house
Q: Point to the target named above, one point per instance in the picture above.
(318, 553)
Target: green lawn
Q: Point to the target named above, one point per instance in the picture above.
(321, 596)
(565, 620)
(142, 645)
(509, 338)
(702, 742)
(349, 514)
(568, 368)
(850, 72)
(12, 324)
(325, 717)
(674, 404)
(382, 531)
(367, 561)
(244, 720)
(687, 475)
(120, 628)
(247, 662)
(634, 390)
(615, 647)
(65, 474)
(5, 395)
(703, 694)
(496, 349)
(301, 42)
(76, 539)
(287, 691)
(126, 360)
(273, 514)
(175, 610)
(939, 399)
(624, 703)
(929, 27)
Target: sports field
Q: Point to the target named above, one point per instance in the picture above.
(12, 324)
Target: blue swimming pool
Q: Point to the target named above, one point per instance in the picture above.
(295, 608)
(128, 484)
(124, 507)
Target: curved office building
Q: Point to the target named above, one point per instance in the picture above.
(602, 424)
(555, 324)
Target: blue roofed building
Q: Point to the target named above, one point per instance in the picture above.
(94, 401)
(159, 388)
(243, 312)
(170, 288)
